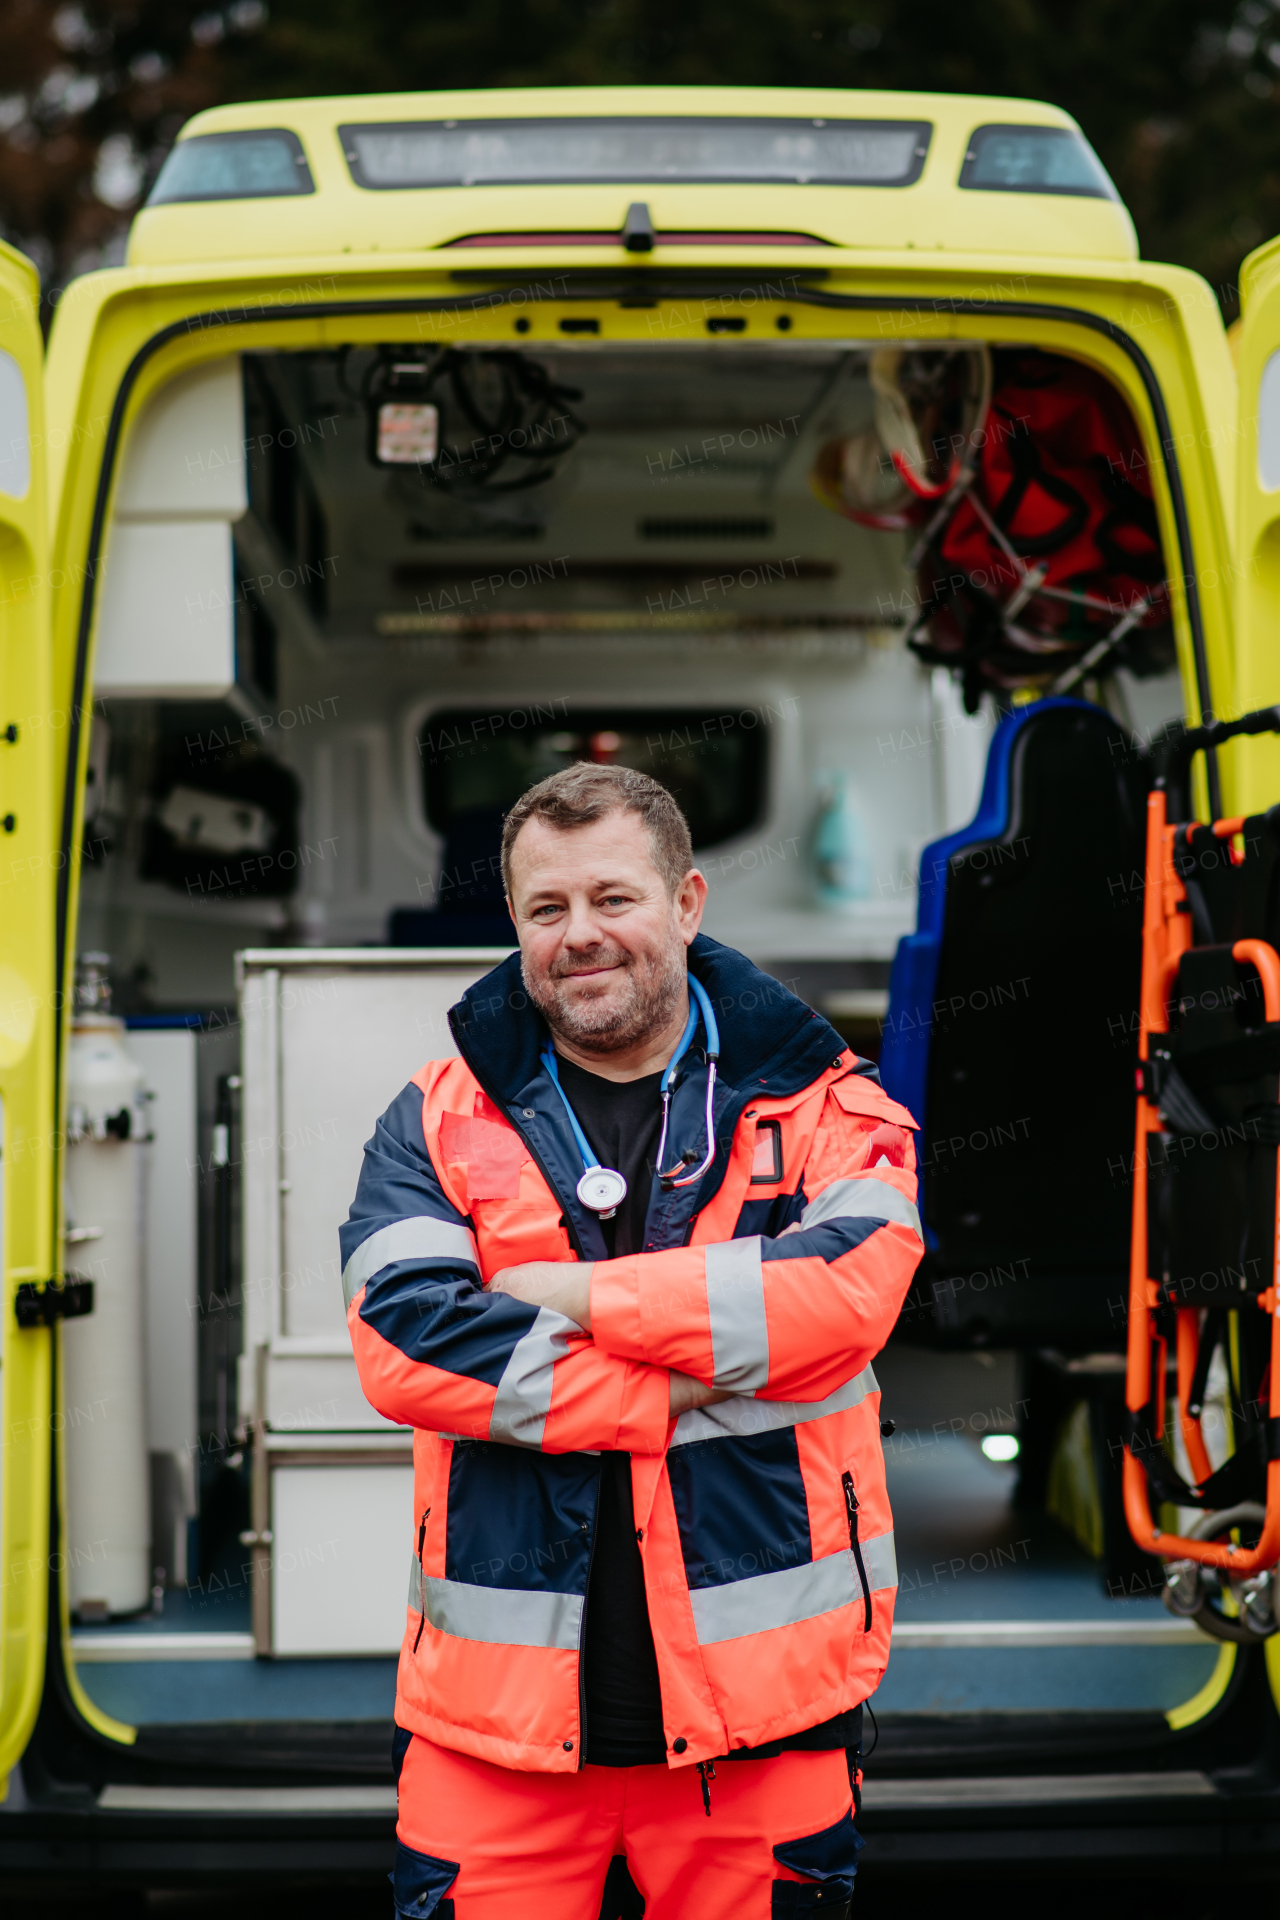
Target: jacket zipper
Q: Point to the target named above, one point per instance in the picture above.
(578, 1248)
(534, 1155)
(422, 1617)
(728, 1117)
(851, 1508)
(582, 1629)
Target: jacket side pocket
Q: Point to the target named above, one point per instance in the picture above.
(828, 1860)
(419, 1884)
(855, 1546)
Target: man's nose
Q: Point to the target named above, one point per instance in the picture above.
(581, 929)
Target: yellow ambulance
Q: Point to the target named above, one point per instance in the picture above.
(831, 455)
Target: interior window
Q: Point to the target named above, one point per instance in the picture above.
(711, 760)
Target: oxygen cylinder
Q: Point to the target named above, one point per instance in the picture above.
(103, 1397)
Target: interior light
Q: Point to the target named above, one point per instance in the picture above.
(1000, 1446)
(408, 433)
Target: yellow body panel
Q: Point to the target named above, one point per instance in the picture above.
(28, 1022)
(341, 217)
(924, 263)
(1258, 536)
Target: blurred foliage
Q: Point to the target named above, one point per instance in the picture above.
(1180, 97)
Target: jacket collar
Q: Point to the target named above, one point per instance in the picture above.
(768, 1038)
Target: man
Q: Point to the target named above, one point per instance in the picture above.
(651, 1529)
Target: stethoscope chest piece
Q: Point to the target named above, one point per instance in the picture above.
(602, 1190)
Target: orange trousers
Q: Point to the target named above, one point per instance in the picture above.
(502, 1845)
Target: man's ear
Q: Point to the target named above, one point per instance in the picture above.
(511, 911)
(690, 900)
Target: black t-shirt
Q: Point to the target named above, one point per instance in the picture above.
(622, 1120)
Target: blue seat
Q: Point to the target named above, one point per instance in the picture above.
(1012, 1036)
(472, 909)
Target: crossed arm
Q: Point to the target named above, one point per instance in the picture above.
(566, 1286)
(567, 1355)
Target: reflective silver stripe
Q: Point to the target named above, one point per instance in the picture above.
(743, 1415)
(415, 1583)
(420, 1237)
(523, 1399)
(779, 1599)
(503, 1616)
(735, 1303)
(865, 1199)
(881, 1561)
(786, 1598)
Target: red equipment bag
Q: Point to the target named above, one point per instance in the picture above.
(1047, 551)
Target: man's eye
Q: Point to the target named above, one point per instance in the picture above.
(540, 912)
(616, 900)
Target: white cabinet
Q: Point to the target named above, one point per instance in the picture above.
(329, 1038)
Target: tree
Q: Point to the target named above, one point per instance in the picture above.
(1180, 97)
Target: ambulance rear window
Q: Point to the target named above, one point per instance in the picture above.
(257, 165)
(490, 153)
(1034, 160)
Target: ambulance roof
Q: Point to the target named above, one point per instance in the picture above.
(518, 176)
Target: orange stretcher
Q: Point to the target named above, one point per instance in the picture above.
(1206, 1219)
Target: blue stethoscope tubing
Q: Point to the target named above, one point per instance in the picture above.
(592, 1169)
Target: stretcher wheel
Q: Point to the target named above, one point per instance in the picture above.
(1202, 1594)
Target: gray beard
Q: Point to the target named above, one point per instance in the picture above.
(599, 1027)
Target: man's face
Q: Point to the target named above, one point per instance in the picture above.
(602, 941)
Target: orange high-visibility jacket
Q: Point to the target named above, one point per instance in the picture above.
(763, 1521)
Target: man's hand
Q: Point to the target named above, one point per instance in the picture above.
(686, 1393)
(562, 1284)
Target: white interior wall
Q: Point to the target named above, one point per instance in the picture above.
(840, 704)
(351, 699)
(166, 608)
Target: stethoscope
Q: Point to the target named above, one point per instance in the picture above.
(602, 1189)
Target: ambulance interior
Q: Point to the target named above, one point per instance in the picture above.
(355, 601)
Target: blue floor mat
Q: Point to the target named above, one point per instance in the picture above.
(206, 1606)
(1042, 1679)
(170, 1692)
(965, 1553)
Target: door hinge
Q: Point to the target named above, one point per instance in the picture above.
(36, 1306)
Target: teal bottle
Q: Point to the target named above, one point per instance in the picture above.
(841, 856)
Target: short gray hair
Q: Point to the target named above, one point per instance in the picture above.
(581, 794)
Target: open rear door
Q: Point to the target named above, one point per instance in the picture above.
(1252, 766)
(29, 861)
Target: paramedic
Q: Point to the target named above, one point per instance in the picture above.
(652, 1571)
